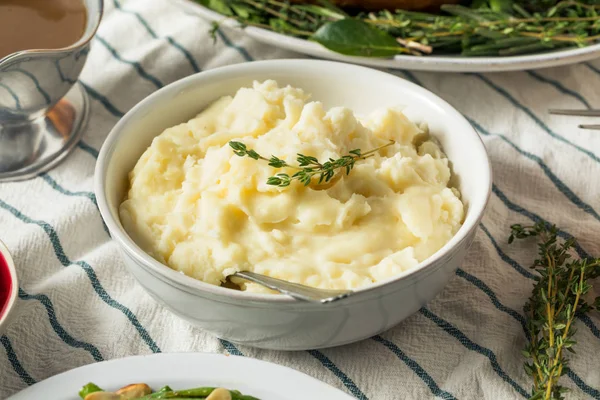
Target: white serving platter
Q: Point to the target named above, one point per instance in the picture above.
(425, 63)
(260, 379)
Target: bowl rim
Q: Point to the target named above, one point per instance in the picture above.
(174, 277)
(14, 290)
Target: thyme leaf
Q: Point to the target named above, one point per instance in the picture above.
(308, 167)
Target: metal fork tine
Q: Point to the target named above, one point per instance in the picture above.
(580, 113)
(595, 127)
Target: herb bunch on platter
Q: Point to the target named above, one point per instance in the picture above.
(473, 28)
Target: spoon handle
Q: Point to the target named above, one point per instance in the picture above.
(579, 113)
(296, 290)
(591, 126)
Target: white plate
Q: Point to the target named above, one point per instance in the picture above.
(184, 371)
(425, 63)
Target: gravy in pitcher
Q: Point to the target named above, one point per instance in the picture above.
(40, 24)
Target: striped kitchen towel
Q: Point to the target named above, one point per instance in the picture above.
(79, 305)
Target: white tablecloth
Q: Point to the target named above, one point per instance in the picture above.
(78, 305)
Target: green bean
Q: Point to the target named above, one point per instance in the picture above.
(162, 391)
(196, 393)
(199, 393)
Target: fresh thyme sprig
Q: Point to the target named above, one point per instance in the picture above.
(308, 166)
(556, 300)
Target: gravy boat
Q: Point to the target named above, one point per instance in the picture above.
(43, 109)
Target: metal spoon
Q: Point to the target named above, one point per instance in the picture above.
(296, 290)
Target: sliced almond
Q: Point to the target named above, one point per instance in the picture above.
(219, 394)
(134, 391)
(103, 396)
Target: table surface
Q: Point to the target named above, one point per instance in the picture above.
(78, 305)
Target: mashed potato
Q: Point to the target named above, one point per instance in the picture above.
(202, 210)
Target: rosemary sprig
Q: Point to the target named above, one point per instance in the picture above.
(557, 298)
(308, 166)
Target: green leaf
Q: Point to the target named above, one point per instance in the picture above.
(528, 369)
(479, 4)
(242, 11)
(537, 396)
(89, 388)
(501, 5)
(219, 6)
(356, 38)
(322, 11)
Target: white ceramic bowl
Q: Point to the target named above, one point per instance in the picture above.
(277, 321)
(7, 265)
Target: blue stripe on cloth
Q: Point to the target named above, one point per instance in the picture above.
(103, 100)
(350, 385)
(504, 93)
(88, 149)
(60, 331)
(169, 39)
(469, 344)
(409, 75)
(12, 94)
(493, 298)
(588, 322)
(559, 86)
(535, 218)
(91, 274)
(136, 65)
(54, 185)
(416, 368)
(243, 52)
(582, 385)
(506, 258)
(230, 347)
(14, 361)
(240, 49)
(592, 67)
(560, 185)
